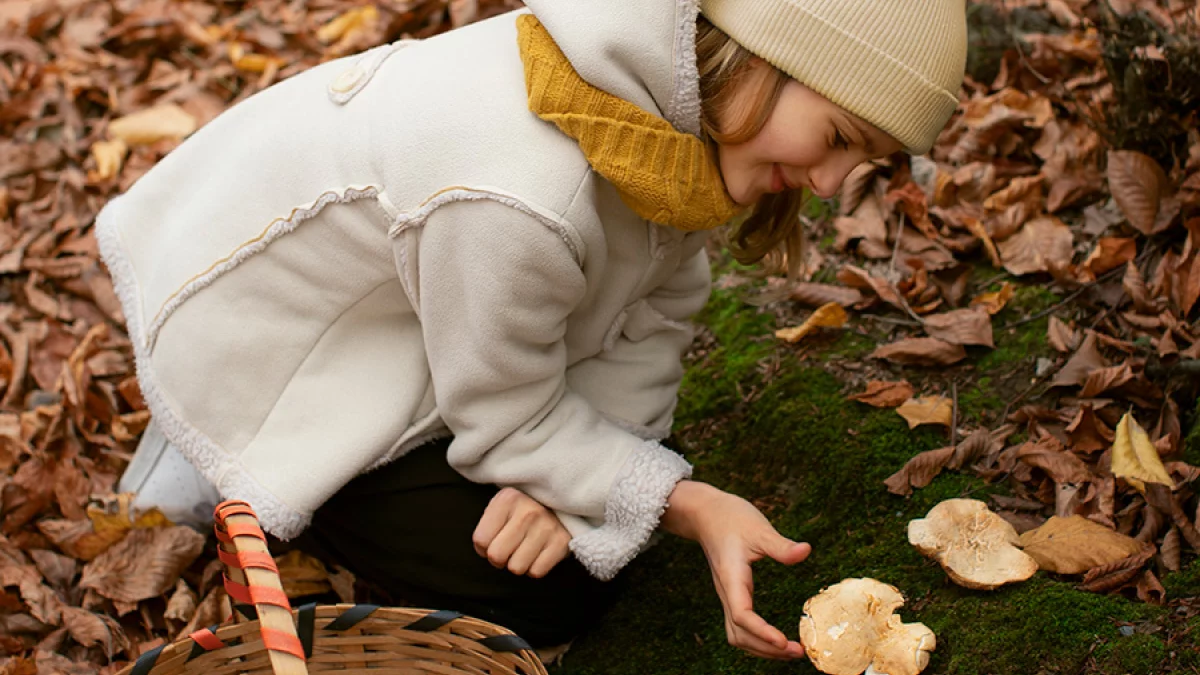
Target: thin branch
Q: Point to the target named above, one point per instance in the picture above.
(896, 246)
(888, 319)
(954, 414)
(1059, 305)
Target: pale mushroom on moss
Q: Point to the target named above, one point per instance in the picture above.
(977, 548)
(851, 628)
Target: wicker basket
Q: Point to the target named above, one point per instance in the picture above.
(273, 638)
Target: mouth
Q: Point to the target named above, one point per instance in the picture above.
(779, 181)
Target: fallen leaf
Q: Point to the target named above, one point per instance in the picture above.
(1061, 336)
(1109, 254)
(927, 410)
(91, 628)
(1085, 360)
(144, 564)
(1043, 243)
(977, 228)
(302, 574)
(109, 156)
(1134, 457)
(994, 301)
(919, 471)
(1087, 431)
(859, 278)
(1138, 184)
(816, 295)
(1116, 574)
(921, 352)
(1171, 550)
(182, 604)
(57, 569)
(1102, 379)
(1075, 545)
(149, 126)
(961, 327)
(885, 394)
(346, 22)
(827, 316)
(1049, 455)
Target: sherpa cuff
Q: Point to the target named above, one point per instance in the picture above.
(635, 505)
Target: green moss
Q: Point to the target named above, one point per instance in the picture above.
(1133, 654)
(815, 463)
(1022, 344)
(1191, 443)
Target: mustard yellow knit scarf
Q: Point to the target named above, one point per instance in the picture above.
(664, 175)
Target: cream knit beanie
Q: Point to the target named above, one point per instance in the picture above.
(897, 64)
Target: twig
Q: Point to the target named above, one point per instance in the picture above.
(888, 319)
(1027, 64)
(999, 277)
(954, 413)
(904, 304)
(1059, 305)
(896, 246)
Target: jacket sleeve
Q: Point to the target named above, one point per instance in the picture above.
(634, 381)
(496, 286)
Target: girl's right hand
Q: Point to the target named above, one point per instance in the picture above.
(518, 533)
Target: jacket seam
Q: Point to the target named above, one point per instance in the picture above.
(312, 348)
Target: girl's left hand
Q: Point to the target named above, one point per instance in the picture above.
(734, 534)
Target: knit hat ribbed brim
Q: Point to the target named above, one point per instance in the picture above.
(897, 64)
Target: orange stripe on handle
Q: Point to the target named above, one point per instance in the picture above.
(278, 641)
(207, 639)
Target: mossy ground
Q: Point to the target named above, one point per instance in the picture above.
(772, 424)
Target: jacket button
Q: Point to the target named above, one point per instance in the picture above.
(347, 80)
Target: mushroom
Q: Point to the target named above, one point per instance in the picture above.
(976, 547)
(850, 628)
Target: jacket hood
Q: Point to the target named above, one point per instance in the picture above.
(643, 52)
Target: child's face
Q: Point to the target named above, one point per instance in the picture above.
(807, 142)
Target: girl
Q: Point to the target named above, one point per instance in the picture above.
(429, 302)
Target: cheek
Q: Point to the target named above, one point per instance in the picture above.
(737, 169)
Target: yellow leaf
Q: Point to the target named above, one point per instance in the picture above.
(253, 63)
(830, 315)
(115, 514)
(346, 22)
(152, 125)
(1135, 458)
(927, 410)
(995, 301)
(1075, 545)
(109, 156)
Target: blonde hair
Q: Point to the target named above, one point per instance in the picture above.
(772, 232)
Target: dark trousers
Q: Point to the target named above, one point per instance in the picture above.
(406, 529)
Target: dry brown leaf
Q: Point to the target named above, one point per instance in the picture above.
(1149, 589)
(1102, 379)
(1114, 575)
(1134, 457)
(152, 125)
(859, 278)
(961, 327)
(827, 316)
(1048, 455)
(1171, 550)
(975, 227)
(144, 564)
(1075, 545)
(342, 581)
(302, 574)
(816, 295)
(58, 570)
(182, 604)
(92, 628)
(919, 471)
(885, 394)
(1061, 336)
(1109, 254)
(1085, 360)
(1138, 185)
(994, 301)
(1087, 431)
(1043, 244)
(921, 352)
(927, 410)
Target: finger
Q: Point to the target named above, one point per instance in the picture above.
(760, 647)
(786, 551)
(506, 542)
(553, 553)
(528, 550)
(739, 589)
(494, 517)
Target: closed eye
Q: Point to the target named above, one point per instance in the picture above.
(839, 141)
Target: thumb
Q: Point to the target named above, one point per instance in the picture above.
(784, 550)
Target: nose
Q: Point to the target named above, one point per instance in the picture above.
(826, 178)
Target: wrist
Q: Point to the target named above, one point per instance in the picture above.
(683, 507)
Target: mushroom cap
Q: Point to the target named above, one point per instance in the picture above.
(976, 547)
(850, 626)
(904, 650)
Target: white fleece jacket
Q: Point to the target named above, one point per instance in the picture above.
(390, 248)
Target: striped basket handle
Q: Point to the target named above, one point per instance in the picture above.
(251, 578)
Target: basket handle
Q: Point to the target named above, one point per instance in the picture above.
(251, 577)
